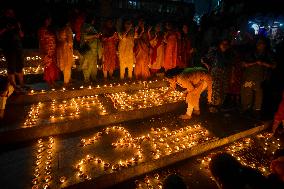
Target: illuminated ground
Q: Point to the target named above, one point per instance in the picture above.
(255, 151)
(62, 161)
(105, 153)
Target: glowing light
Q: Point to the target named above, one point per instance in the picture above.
(144, 98)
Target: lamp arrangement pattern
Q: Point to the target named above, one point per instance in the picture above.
(90, 87)
(44, 164)
(64, 109)
(153, 181)
(144, 98)
(103, 166)
(255, 152)
(158, 143)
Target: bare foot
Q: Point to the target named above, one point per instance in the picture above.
(185, 116)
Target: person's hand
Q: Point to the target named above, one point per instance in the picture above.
(96, 36)
(136, 29)
(115, 35)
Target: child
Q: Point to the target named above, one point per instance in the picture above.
(195, 80)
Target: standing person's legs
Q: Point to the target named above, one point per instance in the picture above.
(105, 74)
(110, 73)
(93, 71)
(188, 113)
(122, 70)
(87, 68)
(67, 75)
(189, 110)
(258, 97)
(197, 93)
(137, 69)
(86, 73)
(130, 71)
(195, 104)
(246, 97)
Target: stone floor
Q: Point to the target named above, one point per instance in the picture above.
(255, 151)
(19, 161)
(67, 159)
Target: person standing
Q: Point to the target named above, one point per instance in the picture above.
(171, 51)
(256, 68)
(109, 41)
(125, 49)
(185, 48)
(77, 22)
(142, 51)
(65, 51)
(158, 48)
(47, 45)
(90, 37)
(11, 36)
(217, 62)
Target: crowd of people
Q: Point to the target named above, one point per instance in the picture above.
(244, 70)
(242, 64)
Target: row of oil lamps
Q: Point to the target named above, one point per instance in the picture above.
(66, 108)
(246, 152)
(104, 165)
(43, 163)
(145, 83)
(239, 149)
(144, 98)
(162, 141)
(122, 101)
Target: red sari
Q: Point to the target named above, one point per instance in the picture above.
(157, 52)
(171, 51)
(185, 52)
(142, 55)
(110, 59)
(47, 43)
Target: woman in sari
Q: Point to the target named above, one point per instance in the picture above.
(65, 51)
(109, 41)
(47, 45)
(125, 49)
(171, 51)
(158, 48)
(142, 52)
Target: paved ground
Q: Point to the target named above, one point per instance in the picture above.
(18, 161)
(255, 151)
(50, 160)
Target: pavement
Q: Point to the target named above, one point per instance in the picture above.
(255, 151)
(48, 161)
